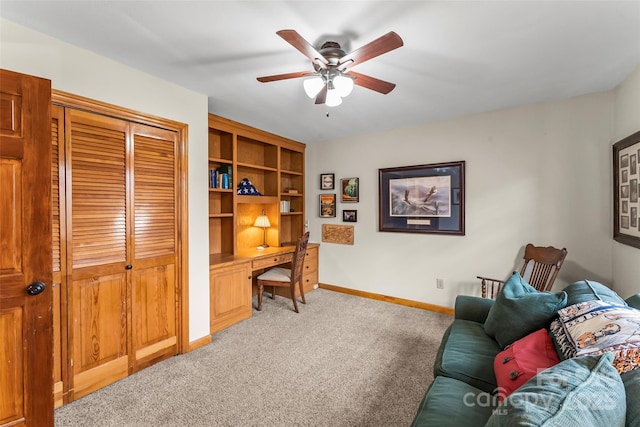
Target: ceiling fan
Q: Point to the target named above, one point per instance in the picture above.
(332, 78)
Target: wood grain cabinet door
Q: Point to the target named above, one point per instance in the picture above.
(154, 311)
(230, 295)
(26, 336)
(97, 250)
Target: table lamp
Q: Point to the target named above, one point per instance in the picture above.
(263, 221)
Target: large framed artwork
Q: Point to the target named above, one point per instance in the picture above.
(422, 199)
(626, 190)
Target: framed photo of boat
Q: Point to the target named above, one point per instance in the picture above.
(422, 198)
(626, 190)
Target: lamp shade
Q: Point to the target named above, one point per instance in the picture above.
(333, 98)
(312, 86)
(262, 221)
(344, 85)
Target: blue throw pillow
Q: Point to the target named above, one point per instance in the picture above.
(587, 290)
(521, 309)
(585, 391)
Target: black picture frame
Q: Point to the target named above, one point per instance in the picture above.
(327, 181)
(626, 190)
(327, 205)
(422, 199)
(349, 215)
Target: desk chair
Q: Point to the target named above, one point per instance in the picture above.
(284, 277)
(541, 266)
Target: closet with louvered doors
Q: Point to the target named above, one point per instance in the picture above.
(118, 246)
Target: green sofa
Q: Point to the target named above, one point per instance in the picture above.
(464, 390)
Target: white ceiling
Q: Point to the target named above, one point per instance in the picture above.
(458, 58)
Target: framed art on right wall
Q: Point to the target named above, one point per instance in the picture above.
(626, 190)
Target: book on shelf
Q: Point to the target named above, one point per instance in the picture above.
(221, 178)
(213, 178)
(284, 206)
(226, 171)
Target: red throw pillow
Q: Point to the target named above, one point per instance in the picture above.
(522, 360)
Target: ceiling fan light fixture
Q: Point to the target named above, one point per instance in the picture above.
(333, 98)
(343, 84)
(313, 86)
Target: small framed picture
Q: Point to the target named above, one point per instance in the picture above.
(327, 181)
(350, 190)
(349, 216)
(327, 205)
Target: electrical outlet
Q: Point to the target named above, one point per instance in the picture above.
(440, 283)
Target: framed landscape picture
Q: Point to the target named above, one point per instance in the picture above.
(422, 198)
(626, 190)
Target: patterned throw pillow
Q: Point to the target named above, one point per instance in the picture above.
(597, 327)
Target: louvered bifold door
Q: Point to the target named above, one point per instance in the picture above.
(97, 250)
(154, 285)
(59, 253)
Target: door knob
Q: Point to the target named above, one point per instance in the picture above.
(128, 266)
(35, 288)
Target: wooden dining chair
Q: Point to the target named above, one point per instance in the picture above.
(541, 266)
(285, 277)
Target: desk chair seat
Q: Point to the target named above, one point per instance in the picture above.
(285, 277)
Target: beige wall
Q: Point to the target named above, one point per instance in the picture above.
(539, 173)
(83, 73)
(626, 259)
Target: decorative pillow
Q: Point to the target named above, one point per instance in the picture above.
(521, 309)
(586, 391)
(560, 340)
(596, 327)
(587, 290)
(522, 361)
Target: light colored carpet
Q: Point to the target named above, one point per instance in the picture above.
(343, 361)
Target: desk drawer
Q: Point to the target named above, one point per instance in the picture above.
(271, 261)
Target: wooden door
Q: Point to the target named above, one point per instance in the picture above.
(98, 220)
(26, 336)
(154, 290)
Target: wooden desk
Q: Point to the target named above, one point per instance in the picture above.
(231, 280)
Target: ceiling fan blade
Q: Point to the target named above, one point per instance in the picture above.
(322, 95)
(372, 83)
(276, 77)
(384, 44)
(294, 39)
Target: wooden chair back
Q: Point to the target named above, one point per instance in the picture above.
(541, 265)
(540, 269)
(297, 262)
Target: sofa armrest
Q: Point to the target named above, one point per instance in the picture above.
(472, 308)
